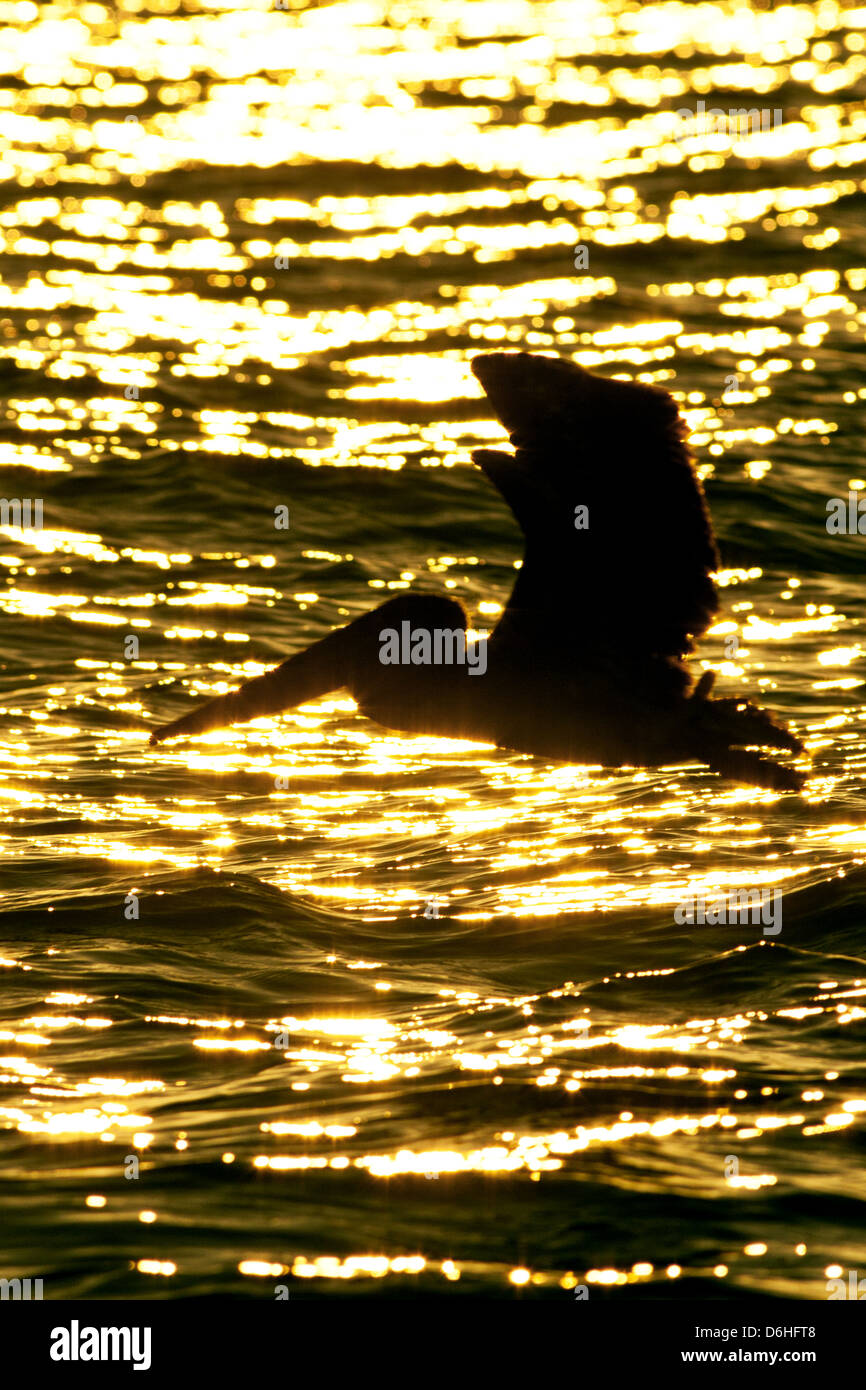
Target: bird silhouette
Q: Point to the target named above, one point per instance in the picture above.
(587, 663)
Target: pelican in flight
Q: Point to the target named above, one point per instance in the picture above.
(587, 663)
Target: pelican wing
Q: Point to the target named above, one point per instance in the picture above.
(619, 544)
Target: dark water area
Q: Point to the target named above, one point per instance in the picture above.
(371, 1014)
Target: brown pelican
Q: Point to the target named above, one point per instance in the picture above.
(587, 663)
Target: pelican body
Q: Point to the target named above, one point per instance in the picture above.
(587, 663)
